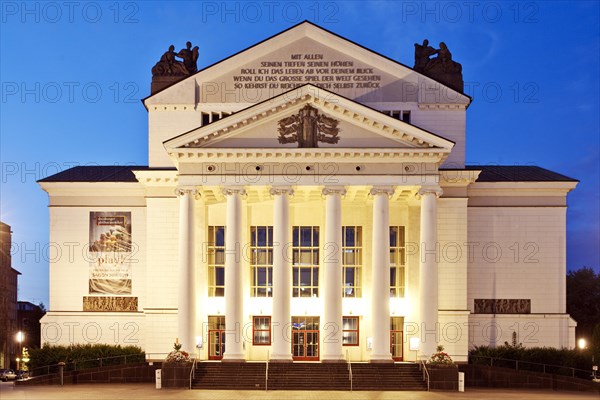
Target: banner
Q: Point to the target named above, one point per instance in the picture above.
(110, 252)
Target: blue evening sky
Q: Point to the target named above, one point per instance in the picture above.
(72, 74)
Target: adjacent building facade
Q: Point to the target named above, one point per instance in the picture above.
(8, 301)
(307, 199)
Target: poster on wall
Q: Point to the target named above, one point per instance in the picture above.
(110, 252)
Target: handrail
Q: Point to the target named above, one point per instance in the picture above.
(74, 363)
(425, 373)
(544, 367)
(192, 372)
(349, 368)
(267, 373)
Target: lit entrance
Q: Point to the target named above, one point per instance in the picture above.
(305, 338)
(396, 337)
(216, 337)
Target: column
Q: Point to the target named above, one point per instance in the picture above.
(428, 271)
(186, 278)
(331, 326)
(282, 276)
(234, 319)
(380, 273)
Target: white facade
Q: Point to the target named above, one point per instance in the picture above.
(474, 240)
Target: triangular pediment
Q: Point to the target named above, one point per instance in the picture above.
(356, 126)
(307, 54)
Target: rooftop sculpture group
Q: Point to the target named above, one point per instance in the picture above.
(169, 65)
(169, 69)
(440, 68)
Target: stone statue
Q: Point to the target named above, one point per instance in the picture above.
(308, 128)
(190, 57)
(168, 65)
(440, 68)
(422, 54)
(169, 69)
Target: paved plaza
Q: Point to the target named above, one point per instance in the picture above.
(147, 391)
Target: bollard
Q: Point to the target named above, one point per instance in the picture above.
(61, 372)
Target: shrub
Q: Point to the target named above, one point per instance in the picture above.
(81, 356)
(529, 358)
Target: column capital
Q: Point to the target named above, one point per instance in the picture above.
(424, 190)
(387, 190)
(182, 190)
(334, 190)
(231, 190)
(279, 190)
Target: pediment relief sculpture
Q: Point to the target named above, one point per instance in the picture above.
(308, 128)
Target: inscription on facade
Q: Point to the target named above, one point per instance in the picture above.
(502, 306)
(301, 69)
(115, 304)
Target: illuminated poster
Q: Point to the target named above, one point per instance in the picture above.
(110, 252)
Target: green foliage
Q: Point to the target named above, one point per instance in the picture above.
(81, 356)
(595, 344)
(583, 300)
(529, 358)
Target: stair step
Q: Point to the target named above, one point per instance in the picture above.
(303, 376)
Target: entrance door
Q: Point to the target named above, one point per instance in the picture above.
(305, 338)
(216, 337)
(396, 338)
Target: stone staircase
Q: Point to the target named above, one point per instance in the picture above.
(387, 377)
(229, 375)
(307, 376)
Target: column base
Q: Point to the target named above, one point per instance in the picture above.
(233, 360)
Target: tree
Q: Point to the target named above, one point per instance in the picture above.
(583, 299)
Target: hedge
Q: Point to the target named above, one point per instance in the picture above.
(81, 356)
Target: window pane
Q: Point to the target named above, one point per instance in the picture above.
(220, 257)
(393, 236)
(220, 236)
(220, 276)
(349, 281)
(306, 257)
(315, 236)
(349, 239)
(305, 236)
(295, 234)
(262, 236)
(305, 277)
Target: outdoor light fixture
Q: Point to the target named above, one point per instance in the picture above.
(581, 343)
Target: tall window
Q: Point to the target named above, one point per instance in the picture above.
(350, 331)
(397, 261)
(261, 261)
(351, 261)
(261, 331)
(305, 261)
(216, 261)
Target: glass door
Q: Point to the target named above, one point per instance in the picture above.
(305, 338)
(396, 337)
(216, 337)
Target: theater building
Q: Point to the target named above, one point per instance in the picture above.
(307, 199)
